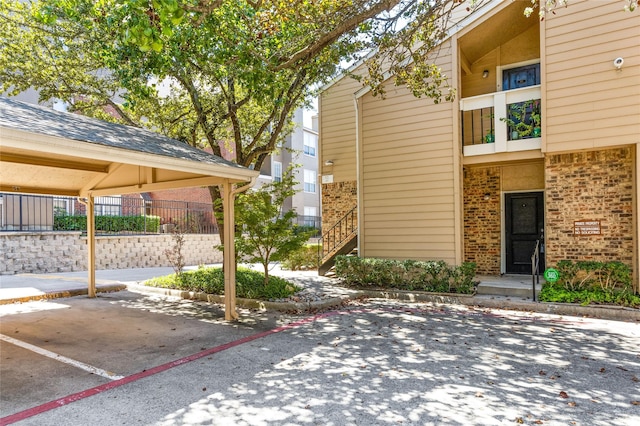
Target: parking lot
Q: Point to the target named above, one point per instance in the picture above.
(127, 358)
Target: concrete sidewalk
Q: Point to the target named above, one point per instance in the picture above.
(27, 287)
(318, 293)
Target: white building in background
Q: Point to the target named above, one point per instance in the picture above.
(300, 148)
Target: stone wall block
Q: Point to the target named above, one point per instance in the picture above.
(67, 251)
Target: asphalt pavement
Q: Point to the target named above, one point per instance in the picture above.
(128, 358)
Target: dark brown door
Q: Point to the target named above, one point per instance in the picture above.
(524, 225)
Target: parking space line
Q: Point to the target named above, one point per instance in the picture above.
(30, 412)
(58, 357)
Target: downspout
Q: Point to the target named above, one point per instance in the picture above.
(229, 253)
(91, 244)
(359, 206)
(636, 213)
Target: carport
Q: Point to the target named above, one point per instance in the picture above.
(43, 151)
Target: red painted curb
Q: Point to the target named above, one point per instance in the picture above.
(30, 412)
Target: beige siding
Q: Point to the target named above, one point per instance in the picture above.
(524, 47)
(408, 175)
(589, 104)
(337, 131)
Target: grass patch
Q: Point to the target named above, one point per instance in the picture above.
(249, 283)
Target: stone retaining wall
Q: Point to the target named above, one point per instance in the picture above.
(46, 252)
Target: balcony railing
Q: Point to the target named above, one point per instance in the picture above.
(484, 120)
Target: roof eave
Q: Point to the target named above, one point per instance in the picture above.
(37, 142)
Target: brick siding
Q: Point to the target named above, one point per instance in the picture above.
(482, 219)
(337, 200)
(594, 185)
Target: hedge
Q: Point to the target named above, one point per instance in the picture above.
(111, 224)
(434, 276)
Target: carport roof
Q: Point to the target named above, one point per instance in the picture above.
(53, 152)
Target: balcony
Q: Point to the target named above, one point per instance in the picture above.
(485, 127)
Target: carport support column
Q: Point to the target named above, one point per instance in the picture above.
(91, 246)
(229, 260)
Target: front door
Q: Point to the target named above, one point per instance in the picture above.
(524, 225)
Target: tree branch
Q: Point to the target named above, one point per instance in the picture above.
(331, 36)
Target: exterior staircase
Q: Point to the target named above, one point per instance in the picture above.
(341, 238)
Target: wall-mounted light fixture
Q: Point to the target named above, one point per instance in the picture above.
(487, 196)
(618, 63)
(485, 73)
(328, 163)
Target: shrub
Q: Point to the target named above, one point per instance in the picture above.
(249, 283)
(583, 275)
(436, 276)
(306, 258)
(554, 292)
(588, 282)
(110, 224)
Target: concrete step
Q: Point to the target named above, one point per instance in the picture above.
(508, 285)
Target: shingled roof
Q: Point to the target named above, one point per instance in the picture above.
(47, 121)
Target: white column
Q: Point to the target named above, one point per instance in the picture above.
(500, 111)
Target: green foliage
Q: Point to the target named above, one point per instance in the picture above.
(108, 224)
(435, 276)
(264, 232)
(237, 69)
(588, 282)
(307, 229)
(586, 296)
(249, 283)
(588, 274)
(305, 258)
(524, 118)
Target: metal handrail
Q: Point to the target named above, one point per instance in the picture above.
(535, 268)
(339, 233)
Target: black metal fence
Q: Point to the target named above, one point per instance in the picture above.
(113, 215)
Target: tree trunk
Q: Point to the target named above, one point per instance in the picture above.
(216, 206)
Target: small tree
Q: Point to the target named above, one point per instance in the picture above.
(263, 232)
(174, 254)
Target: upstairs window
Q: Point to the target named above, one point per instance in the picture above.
(277, 171)
(310, 144)
(524, 76)
(309, 181)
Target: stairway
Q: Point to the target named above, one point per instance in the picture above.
(329, 261)
(341, 238)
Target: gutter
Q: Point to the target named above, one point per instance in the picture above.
(359, 195)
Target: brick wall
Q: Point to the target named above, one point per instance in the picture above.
(482, 219)
(337, 200)
(67, 251)
(195, 195)
(594, 185)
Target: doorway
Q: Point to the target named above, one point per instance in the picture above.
(524, 225)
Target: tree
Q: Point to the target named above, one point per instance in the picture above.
(222, 75)
(264, 232)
